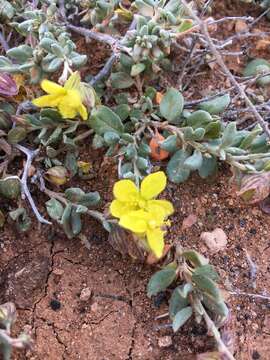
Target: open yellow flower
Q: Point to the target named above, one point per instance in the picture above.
(67, 98)
(129, 198)
(147, 224)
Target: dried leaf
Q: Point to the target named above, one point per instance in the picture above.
(255, 188)
(189, 221)
(215, 240)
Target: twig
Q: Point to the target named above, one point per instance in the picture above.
(255, 296)
(31, 154)
(104, 72)
(220, 61)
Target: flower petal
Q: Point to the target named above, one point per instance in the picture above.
(52, 88)
(73, 82)
(47, 101)
(83, 112)
(119, 208)
(166, 206)
(155, 239)
(125, 190)
(134, 221)
(67, 111)
(153, 185)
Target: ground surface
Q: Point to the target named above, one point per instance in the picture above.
(46, 275)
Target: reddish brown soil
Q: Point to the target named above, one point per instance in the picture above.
(44, 273)
(118, 321)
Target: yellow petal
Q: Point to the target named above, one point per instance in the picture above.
(166, 206)
(134, 221)
(153, 185)
(73, 82)
(67, 111)
(155, 239)
(125, 190)
(119, 208)
(83, 112)
(47, 101)
(73, 98)
(52, 88)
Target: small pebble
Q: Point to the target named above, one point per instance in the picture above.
(55, 304)
(256, 355)
(85, 295)
(165, 341)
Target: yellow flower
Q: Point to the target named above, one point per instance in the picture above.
(129, 198)
(67, 98)
(147, 224)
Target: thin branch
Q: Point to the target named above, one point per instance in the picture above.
(255, 296)
(104, 72)
(31, 154)
(220, 61)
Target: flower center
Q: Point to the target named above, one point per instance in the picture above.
(152, 224)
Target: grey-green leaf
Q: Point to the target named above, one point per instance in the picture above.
(103, 119)
(194, 161)
(216, 105)
(176, 171)
(54, 208)
(160, 281)
(208, 167)
(181, 318)
(177, 302)
(121, 80)
(172, 104)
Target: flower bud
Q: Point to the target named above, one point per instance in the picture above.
(8, 86)
(57, 175)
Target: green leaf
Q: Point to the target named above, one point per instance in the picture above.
(98, 142)
(16, 135)
(65, 221)
(207, 271)
(207, 286)
(194, 161)
(10, 188)
(216, 105)
(55, 209)
(177, 302)
(122, 111)
(199, 118)
(21, 53)
(121, 80)
(176, 171)
(71, 163)
(170, 144)
(160, 281)
(252, 67)
(53, 65)
(111, 138)
(172, 104)
(219, 308)
(181, 318)
(74, 194)
(229, 135)
(142, 163)
(76, 223)
(137, 69)
(248, 140)
(208, 167)
(90, 199)
(103, 119)
(195, 258)
(212, 130)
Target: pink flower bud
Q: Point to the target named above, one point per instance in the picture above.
(8, 86)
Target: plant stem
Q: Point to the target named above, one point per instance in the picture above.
(93, 213)
(214, 330)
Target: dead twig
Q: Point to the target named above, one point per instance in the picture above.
(31, 154)
(227, 72)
